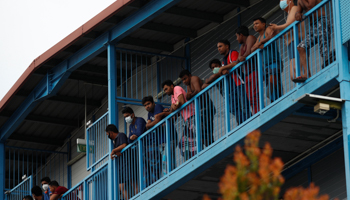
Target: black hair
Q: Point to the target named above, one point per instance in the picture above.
(242, 30)
(168, 83)
(28, 197)
(184, 73)
(214, 61)
(127, 110)
(263, 20)
(46, 179)
(112, 127)
(36, 190)
(54, 183)
(226, 42)
(148, 98)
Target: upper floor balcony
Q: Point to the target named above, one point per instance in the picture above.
(123, 63)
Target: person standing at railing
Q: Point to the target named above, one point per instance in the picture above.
(319, 32)
(137, 124)
(215, 66)
(120, 141)
(178, 98)
(57, 190)
(156, 157)
(271, 58)
(194, 86)
(250, 71)
(37, 193)
(289, 7)
(45, 185)
(238, 97)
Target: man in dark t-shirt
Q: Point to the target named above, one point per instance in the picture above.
(137, 124)
(56, 190)
(120, 141)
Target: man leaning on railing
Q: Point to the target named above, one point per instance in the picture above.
(119, 142)
(322, 35)
(178, 98)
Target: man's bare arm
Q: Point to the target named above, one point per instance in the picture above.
(298, 13)
(251, 40)
(212, 78)
(196, 83)
(309, 4)
(225, 69)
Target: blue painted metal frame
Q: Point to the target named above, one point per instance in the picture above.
(223, 147)
(54, 79)
(344, 79)
(113, 112)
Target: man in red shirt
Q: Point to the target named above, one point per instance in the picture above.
(56, 190)
(238, 97)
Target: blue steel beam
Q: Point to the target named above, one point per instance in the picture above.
(55, 78)
(344, 78)
(271, 115)
(112, 109)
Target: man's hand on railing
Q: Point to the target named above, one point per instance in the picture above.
(133, 137)
(115, 153)
(298, 16)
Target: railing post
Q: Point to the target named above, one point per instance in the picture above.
(198, 124)
(260, 79)
(168, 146)
(140, 165)
(112, 115)
(227, 102)
(2, 170)
(296, 53)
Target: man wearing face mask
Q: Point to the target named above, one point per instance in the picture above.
(214, 66)
(45, 185)
(137, 124)
(120, 141)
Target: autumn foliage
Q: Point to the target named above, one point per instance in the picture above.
(256, 176)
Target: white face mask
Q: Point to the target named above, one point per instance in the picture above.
(128, 119)
(283, 4)
(216, 70)
(45, 187)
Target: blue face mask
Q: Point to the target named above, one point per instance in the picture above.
(283, 4)
(216, 70)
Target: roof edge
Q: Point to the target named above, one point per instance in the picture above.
(61, 45)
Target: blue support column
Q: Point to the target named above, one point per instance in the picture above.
(344, 78)
(2, 170)
(112, 108)
(188, 54)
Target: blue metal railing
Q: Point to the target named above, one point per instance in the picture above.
(38, 163)
(96, 143)
(141, 73)
(92, 187)
(228, 103)
(21, 190)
